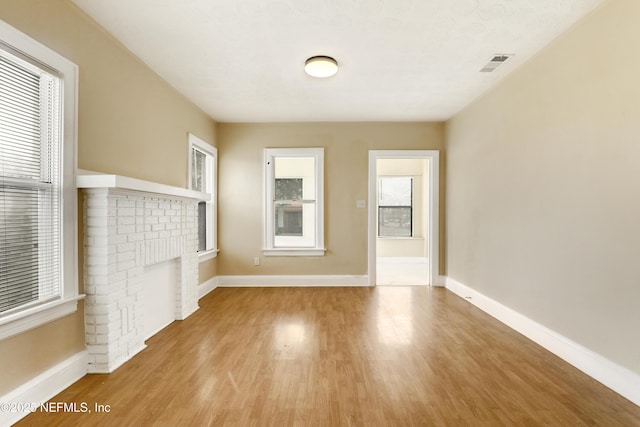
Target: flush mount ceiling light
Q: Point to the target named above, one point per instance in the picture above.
(321, 66)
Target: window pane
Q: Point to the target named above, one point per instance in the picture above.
(301, 168)
(202, 226)
(20, 109)
(394, 221)
(18, 247)
(288, 207)
(288, 189)
(395, 191)
(198, 171)
(288, 217)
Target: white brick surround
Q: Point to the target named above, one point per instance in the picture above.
(124, 231)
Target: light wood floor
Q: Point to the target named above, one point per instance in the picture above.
(387, 356)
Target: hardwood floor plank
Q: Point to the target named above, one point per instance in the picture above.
(396, 356)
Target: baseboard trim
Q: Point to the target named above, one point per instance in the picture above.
(441, 281)
(43, 387)
(207, 286)
(292, 281)
(402, 260)
(618, 378)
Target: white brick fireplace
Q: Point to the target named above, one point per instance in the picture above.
(129, 226)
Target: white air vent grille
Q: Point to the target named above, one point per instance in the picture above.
(495, 62)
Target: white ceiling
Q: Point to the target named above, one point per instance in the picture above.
(400, 60)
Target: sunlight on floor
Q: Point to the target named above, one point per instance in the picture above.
(402, 271)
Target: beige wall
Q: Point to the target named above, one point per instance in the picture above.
(346, 175)
(543, 182)
(130, 122)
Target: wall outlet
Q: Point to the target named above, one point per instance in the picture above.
(256, 261)
(361, 204)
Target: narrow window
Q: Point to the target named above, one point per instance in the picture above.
(395, 207)
(294, 209)
(203, 160)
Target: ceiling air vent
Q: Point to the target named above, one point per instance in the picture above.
(495, 62)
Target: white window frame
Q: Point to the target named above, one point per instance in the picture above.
(195, 143)
(381, 206)
(269, 248)
(19, 321)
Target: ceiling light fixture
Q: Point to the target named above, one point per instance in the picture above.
(321, 66)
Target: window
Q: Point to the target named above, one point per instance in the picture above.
(38, 204)
(203, 165)
(289, 209)
(294, 209)
(395, 207)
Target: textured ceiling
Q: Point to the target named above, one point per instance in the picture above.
(400, 60)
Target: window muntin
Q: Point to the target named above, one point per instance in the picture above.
(395, 207)
(38, 197)
(202, 177)
(294, 205)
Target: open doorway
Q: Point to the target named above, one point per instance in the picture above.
(403, 217)
(402, 255)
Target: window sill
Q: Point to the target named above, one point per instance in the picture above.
(37, 316)
(294, 252)
(399, 238)
(207, 255)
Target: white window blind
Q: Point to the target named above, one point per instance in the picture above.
(30, 184)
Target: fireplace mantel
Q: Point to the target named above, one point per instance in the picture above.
(90, 179)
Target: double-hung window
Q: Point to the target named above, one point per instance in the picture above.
(203, 162)
(395, 207)
(294, 209)
(38, 250)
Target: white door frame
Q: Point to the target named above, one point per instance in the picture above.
(434, 225)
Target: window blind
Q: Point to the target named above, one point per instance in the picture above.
(30, 184)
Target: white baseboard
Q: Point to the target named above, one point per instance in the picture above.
(618, 378)
(441, 281)
(43, 387)
(207, 286)
(292, 281)
(402, 260)
(112, 366)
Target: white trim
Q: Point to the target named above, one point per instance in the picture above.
(207, 255)
(402, 260)
(29, 319)
(67, 71)
(294, 252)
(268, 198)
(115, 364)
(616, 377)
(207, 286)
(292, 281)
(212, 186)
(434, 190)
(90, 179)
(43, 387)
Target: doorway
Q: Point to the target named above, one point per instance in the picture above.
(403, 217)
